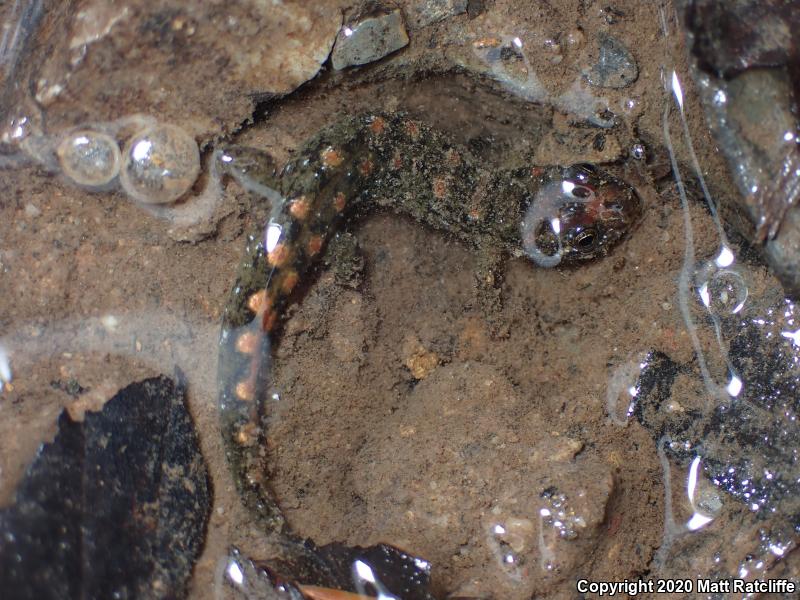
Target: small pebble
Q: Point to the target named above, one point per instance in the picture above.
(615, 67)
(368, 39)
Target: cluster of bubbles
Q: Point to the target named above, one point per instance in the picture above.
(515, 540)
(154, 163)
(560, 516)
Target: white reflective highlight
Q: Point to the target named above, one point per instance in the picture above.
(517, 42)
(792, 335)
(703, 505)
(725, 258)
(691, 484)
(704, 295)
(110, 322)
(235, 573)
(141, 151)
(364, 571)
(5, 367)
(698, 521)
(676, 89)
(272, 236)
(734, 387)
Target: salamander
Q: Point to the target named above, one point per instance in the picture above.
(553, 215)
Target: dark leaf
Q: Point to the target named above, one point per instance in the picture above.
(332, 572)
(115, 507)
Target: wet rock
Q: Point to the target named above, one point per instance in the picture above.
(739, 34)
(615, 66)
(99, 61)
(748, 76)
(428, 12)
(376, 32)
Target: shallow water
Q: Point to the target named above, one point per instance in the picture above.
(610, 421)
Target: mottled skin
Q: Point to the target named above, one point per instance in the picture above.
(394, 162)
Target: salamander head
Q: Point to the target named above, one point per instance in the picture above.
(579, 213)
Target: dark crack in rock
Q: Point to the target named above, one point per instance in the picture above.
(115, 507)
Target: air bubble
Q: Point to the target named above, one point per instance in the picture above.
(160, 164)
(623, 391)
(724, 293)
(89, 158)
(511, 540)
(638, 151)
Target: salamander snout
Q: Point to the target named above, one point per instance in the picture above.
(577, 214)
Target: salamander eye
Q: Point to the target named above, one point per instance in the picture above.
(586, 240)
(580, 191)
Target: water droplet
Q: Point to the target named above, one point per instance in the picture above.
(724, 293)
(89, 158)
(160, 165)
(510, 539)
(623, 390)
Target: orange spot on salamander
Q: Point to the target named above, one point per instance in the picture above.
(268, 320)
(290, 280)
(247, 434)
(331, 157)
(314, 245)
(439, 187)
(279, 255)
(300, 208)
(378, 125)
(537, 172)
(366, 167)
(412, 129)
(245, 391)
(486, 42)
(339, 201)
(247, 343)
(258, 301)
